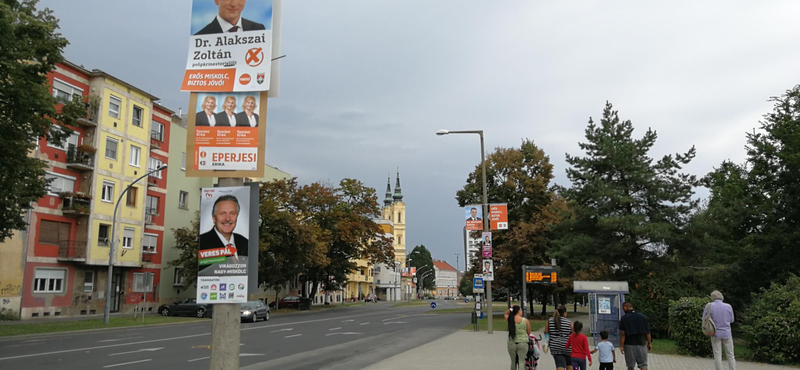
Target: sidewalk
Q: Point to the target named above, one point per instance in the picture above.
(479, 350)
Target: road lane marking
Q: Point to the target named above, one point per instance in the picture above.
(137, 351)
(117, 340)
(187, 336)
(198, 359)
(395, 322)
(280, 330)
(128, 363)
(364, 323)
(292, 336)
(351, 320)
(250, 354)
(334, 328)
(392, 318)
(343, 333)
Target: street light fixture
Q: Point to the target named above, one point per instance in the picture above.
(107, 311)
(485, 211)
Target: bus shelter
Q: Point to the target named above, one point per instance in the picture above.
(605, 306)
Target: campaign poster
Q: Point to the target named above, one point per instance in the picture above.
(498, 216)
(488, 270)
(604, 305)
(408, 271)
(486, 242)
(230, 46)
(226, 133)
(223, 249)
(474, 217)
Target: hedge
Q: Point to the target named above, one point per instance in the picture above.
(685, 326)
(772, 323)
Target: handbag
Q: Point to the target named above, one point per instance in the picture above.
(709, 327)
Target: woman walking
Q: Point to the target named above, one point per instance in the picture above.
(557, 334)
(518, 330)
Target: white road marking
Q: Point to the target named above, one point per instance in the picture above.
(250, 354)
(364, 323)
(292, 336)
(351, 320)
(117, 340)
(198, 359)
(137, 351)
(128, 363)
(280, 330)
(395, 322)
(343, 333)
(334, 328)
(186, 336)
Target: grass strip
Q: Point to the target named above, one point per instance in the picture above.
(74, 325)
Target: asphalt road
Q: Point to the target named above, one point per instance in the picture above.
(345, 338)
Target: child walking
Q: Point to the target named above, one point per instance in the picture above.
(580, 347)
(607, 355)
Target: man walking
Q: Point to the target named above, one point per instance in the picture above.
(722, 315)
(634, 337)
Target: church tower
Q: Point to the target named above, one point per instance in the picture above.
(394, 209)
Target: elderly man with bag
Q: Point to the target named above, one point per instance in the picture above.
(719, 329)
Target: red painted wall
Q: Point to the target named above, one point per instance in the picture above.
(132, 297)
(45, 249)
(30, 299)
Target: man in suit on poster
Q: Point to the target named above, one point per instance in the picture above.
(229, 19)
(225, 214)
(473, 215)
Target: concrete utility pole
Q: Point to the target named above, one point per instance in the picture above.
(485, 215)
(226, 320)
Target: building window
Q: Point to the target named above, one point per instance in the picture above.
(113, 106)
(142, 281)
(400, 240)
(70, 141)
(183, 200)
(88, 281)
(107, 192)
(111, 148)
(59, 183)
(137, 116)
(151, 205)
(65, 92)
(102, 234)
(51, 232)
(49, 281)
(153, 164)
(183, 161)
(131, 197)
(149, 243)
(157, 131)
(399, 218)
(127, 238)
(177, 280)
(136, 152)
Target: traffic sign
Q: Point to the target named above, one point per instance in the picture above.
(477, 283)
(466, 300)
(433, 304)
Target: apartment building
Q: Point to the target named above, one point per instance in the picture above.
(446, 280)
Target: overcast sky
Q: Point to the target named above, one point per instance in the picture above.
(366, 84)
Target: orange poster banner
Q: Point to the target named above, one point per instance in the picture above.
(210, 80)
(498, 216)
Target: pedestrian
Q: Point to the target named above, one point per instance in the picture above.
(580, 347)
(519, 328)
(634, 337)
(557, 334)
(722, 315)
(607, 355)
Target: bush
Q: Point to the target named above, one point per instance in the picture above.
(772, 322)
(8, 315)
(651, 294)
(685, 326)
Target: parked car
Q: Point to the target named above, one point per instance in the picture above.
(287, 302)
(253, 310)
(370, 298)
(186, 307)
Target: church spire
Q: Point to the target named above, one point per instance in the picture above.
(398, 193)
(387, 200)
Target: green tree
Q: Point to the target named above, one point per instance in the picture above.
(31, 46)
(626, 208)
(521, 178)
(187, 243)
(421, 257)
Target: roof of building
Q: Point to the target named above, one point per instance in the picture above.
(100, 73)
(442, 265)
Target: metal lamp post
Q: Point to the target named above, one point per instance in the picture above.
(107, 310)
(485, 213)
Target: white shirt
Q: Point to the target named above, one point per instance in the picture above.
(226, 26)
(226, 242)
(252, 120)
(211, 120)
(231, 119)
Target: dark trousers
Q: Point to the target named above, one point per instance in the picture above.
(606, 366)
(578, 363)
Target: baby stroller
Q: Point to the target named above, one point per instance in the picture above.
(534, 350)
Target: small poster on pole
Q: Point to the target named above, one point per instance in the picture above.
(488, 270)
(486, 241)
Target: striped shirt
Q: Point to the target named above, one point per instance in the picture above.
(558, 338)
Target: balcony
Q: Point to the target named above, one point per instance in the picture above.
(72, 250)
(149, 215)
(156, 139)
(148, 257)
(75, 204)
(81, 157)
(92, 103)
(152, 181)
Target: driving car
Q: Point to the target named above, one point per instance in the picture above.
(186, 307)
(287, 302)
(253, 310)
